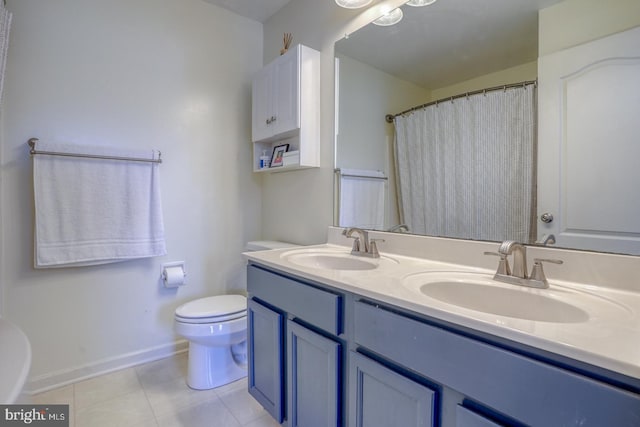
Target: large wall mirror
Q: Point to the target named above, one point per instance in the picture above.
(507, 120)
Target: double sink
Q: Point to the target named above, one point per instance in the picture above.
(471, 290)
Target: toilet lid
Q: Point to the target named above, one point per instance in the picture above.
(213, 307)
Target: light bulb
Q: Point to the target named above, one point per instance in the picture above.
(352, 4)
(420, 3)
(390, 18)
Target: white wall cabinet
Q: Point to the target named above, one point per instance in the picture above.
(286, 108)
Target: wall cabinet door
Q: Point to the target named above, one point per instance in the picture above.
(261, 108)
(286, 94)
(266, 363)
(276, 97)
(313, 378)
(380, 397)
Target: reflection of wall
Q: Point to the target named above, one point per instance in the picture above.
(578, 21)
(366, 95)
(364, 138)
(516, 74)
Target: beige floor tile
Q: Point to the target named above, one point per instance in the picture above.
(173, 396)
(241, 384)
(131, 409)
(58, 396)
(264, 421)
(163, 370)
(106, 387)
(207, 414)
(62, 395)
(244, 407)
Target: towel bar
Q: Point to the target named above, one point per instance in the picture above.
(32, 143)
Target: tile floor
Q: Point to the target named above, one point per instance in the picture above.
(155, 394)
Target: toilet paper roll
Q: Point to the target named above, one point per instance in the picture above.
(173, 277)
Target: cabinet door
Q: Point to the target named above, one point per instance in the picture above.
(379, 397)
(313, 378)
(466, 418)
(261, 105)
(286, 94)
(266, 363)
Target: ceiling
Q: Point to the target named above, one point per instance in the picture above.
(258, 10)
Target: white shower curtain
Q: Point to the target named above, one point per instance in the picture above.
(5, 26)
(466, 168)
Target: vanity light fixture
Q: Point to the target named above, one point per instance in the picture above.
(389, 18)
(352, 4)
(420, 3)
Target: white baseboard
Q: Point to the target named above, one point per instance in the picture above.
(57, 379)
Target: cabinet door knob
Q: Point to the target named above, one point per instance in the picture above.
(268, 121)
(273, 119)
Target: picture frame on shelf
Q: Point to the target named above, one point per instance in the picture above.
(277, 155)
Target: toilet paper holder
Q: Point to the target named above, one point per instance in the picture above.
(173, 274)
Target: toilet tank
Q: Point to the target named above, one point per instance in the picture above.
(262, 245)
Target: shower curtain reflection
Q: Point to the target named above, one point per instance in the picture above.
(466, 167)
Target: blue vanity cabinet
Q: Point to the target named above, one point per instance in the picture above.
(380, 397)
(496, 385)
(265, 351)
(313, 378)
(298, 328)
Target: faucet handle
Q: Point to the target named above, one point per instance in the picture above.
(373, 247)
(503, 264)
(537, 272)
(356, 244)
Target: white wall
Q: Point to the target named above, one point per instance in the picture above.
(171, 75)
(573, 22)
(298, 206)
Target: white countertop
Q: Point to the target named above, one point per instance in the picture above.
(609, 338)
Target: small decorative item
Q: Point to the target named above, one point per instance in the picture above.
(278, 153)
(286, 40)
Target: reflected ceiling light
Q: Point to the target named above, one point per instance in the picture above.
(420, 3)
(390, 18)
(352, 4)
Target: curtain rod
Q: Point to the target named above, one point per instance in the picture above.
(32, 143)
(390, 117)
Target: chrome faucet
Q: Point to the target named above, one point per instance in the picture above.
(362, 246)
(400, 228)
(547, 239)
(519, 252)
(518, 275)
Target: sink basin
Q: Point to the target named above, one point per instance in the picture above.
(334, 260)
(480, 293)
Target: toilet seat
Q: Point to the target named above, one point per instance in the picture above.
(214, 309)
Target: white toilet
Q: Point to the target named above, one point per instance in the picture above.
(216, 328)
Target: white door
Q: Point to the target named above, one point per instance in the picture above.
(589, 144)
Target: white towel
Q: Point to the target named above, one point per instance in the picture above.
(362, 199)
(95, 211)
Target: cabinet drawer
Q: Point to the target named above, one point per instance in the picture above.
(510, 383)
(319, 307)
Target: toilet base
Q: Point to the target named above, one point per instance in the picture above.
(211, 367)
